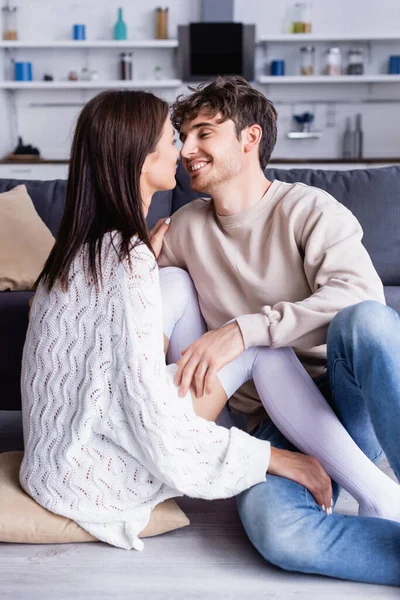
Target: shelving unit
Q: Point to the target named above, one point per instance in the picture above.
(317, 37)
(87, 44)
(13, 46)
(266, 42)
(97, 85)
(286, 79)
(59, 57)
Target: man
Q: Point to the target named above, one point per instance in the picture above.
(278, 264)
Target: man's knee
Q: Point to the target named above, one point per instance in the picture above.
(369, 320)
(281, 533)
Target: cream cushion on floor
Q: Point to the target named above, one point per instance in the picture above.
(22, 520)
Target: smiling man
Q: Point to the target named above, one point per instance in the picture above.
(270, 263)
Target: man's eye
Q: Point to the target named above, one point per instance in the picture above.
(203, 135)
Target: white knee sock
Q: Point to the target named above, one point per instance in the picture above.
(302, 414)
(291, 399)
(182, 319)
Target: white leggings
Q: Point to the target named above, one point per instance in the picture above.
(290, 397)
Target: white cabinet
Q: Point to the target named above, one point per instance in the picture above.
(43, 172)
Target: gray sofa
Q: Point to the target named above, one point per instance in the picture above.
(372, 195)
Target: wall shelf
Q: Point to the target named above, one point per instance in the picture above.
(90, 44)
(307, 80)
(323, 37)
(81, 85)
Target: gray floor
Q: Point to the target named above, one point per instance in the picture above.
(211, 559)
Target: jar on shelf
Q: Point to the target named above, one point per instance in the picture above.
(355, 64)
(9, 22)
(307, 54)
(301, 17)
(333, 62)
(161, 23)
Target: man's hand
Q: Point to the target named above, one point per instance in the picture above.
(157, 235)
(202, 360)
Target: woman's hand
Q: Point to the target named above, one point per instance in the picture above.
(305, 470)
(157, 235)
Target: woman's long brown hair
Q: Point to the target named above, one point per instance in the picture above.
(115, 132)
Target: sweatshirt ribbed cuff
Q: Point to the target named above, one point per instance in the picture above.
(255, 329)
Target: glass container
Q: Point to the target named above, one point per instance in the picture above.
(307, 54)
(355, 64)
(333, 62)
(161, 23)
(301, 17)
(9, 22)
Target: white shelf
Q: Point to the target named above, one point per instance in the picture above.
(316, 37)
(279, 80)
(91, 44)
(78, 85)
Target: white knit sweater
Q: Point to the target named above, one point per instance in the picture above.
(106, 435)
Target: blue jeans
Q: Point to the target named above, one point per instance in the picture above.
(281, 517)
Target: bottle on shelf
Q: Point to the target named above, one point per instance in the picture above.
(120, 30)
(161, 23)
(347, 146)
(358, 140)
(126, 66)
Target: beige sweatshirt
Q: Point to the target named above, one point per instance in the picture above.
(283, 268)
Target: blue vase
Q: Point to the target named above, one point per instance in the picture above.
(120, 27)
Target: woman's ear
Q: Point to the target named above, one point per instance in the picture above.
(147, 164)
(252, 137)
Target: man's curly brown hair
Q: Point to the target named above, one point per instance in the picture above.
(235, 99)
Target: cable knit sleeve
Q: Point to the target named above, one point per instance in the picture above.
(339, 272)
(194, 456)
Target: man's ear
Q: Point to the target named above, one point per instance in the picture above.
(252, 136)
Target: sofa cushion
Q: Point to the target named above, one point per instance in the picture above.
(13, 324)
(25, 241)
(373, 196)
(392, 295)
(24, 521)
(49, 198)
(11, 436)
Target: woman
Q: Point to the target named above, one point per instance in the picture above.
(106, 435)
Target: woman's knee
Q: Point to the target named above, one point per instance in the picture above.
(176, 284)
(175, 275)
(276, 360)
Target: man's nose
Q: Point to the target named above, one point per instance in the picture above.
(188, 149)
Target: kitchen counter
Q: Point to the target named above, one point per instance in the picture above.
(48, 169)
(292, 161)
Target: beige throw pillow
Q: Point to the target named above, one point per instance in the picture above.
(23, 521)
(25, 241)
